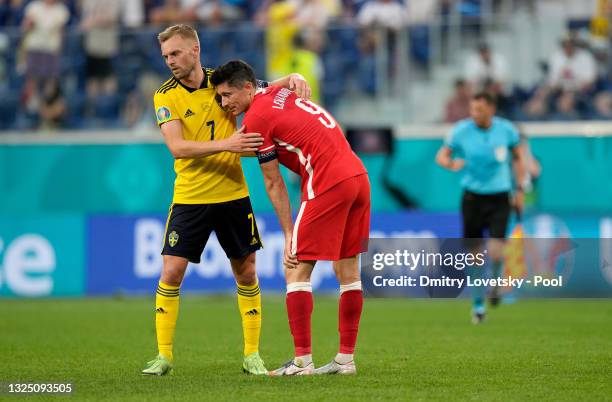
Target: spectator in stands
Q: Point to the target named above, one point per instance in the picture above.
(100, 23)
(367, 44)
(458, 106)
(566, 107)
(422, 11)
(487, 69)
(387, 14)
(212, 12)
(133, 14)
(602, 105)
(335, 8)
(536, 108)
(43, 26)
(139, 102)
(600, 22)
(172, 11)
(572, 69)
(305, 60)
(312, 14)
(215, 12)
(278, 17)
(53, 106)
(11, 12)
(421, 15)
(571, 81)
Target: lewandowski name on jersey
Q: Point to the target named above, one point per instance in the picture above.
(304, 137)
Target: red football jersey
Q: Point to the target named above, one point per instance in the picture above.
(304, 137)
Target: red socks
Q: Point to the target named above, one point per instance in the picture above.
(299, 311)
(349, 313)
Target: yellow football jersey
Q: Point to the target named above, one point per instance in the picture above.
(214, 178)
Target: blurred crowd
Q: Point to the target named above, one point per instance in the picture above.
(314, 13)
(575, 83)
(95, 63)
(67, 58)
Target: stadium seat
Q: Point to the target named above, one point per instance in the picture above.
(106, 107)
(128, 71)
(75, 105)
(210, 43)
(419, 43)
(9, 103)
(248, 38)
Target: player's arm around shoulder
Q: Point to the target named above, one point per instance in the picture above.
(180, 148)
(296, 83)
(172, 129)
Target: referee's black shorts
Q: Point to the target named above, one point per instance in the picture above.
(190, 225)
(485, 212)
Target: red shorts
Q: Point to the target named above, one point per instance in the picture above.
(335, 224)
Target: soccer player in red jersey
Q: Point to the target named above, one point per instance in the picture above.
(334, 218)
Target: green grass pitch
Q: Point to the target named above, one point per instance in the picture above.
(407, 350)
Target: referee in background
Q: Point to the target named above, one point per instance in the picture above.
(482, 147)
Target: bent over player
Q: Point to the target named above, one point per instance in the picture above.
(334, 218)
(210, 193)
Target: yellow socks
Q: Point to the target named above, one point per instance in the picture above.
(249, 303)
(166, 313)
(167, 308)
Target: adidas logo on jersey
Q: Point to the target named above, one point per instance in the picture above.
(160, 310)
(254, 241)
(189, 113)
(252, 312)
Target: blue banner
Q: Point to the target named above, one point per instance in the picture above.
(124, 251)
(69, 255)
(124, 256)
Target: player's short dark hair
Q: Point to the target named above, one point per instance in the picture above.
(485, 96)
(236, 73)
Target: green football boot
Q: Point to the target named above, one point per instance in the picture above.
(158, 366)
(253, 364)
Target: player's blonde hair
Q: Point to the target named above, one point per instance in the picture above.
(182, 30)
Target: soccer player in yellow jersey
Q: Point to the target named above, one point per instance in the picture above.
(210, 192)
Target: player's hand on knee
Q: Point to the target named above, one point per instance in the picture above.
(290, 260)
(243, 142)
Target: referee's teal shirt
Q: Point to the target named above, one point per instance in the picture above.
(487, 154)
